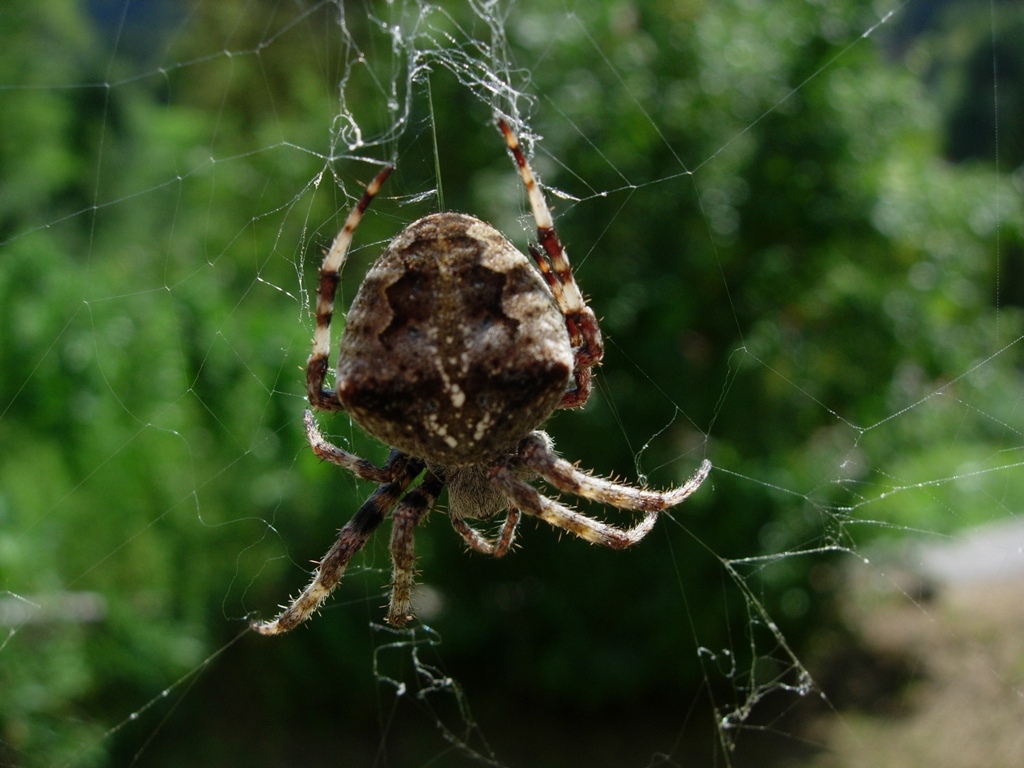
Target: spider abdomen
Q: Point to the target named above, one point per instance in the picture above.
(454, 347)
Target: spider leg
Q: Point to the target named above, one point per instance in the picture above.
(545, 269)
(500, 546)
(403, 556)
(583, 380)
(536, 453)
(571, 300)
(351, 538)
(532, 502)
(580, 321)
(361, 468)
(330, 272)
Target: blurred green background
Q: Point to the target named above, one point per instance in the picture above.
(806, 251)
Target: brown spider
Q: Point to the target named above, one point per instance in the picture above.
(455, 350)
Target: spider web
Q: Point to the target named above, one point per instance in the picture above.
(172, 175)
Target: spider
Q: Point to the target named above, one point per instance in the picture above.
(455, 350)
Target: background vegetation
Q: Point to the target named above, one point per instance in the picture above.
(829, 264)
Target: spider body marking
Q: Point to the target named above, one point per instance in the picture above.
(455, 350)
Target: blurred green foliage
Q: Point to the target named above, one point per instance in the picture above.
(781, 253)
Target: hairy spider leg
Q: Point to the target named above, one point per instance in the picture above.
(360, 467)
(584, 331)
(545, 269)
(330, 274)
(497, 548)
(532, 502)
(572, 300)
(535, 452)
(567, 478)
(403, 555)
(351, 538)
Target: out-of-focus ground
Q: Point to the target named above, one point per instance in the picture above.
(938, 680)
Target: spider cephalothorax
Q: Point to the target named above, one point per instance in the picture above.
(455, 350)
